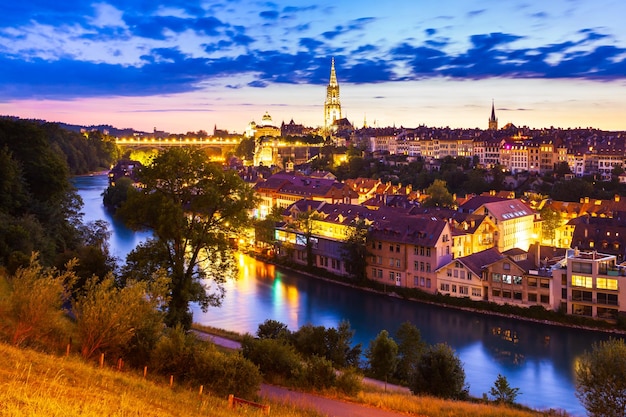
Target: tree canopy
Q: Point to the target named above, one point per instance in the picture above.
(193, 207)
(601, 379)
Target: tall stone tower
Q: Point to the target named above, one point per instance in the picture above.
(493, 120)
(332, 105)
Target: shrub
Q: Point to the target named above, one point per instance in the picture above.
(440, 373)
(349, 381)
(319, 373)
(277, 360)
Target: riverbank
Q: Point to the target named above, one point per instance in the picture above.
(550, 318)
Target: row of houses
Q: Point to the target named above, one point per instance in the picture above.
(516, 153)
(489, 249)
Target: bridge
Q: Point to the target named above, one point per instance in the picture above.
(145, 142)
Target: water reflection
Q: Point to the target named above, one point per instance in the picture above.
(535, 357)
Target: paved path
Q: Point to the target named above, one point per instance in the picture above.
(327, 406)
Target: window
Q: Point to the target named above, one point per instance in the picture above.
(453, 288)
(380, 245)
(398, 276)
(427, 266)
(517, 295)
(390, 261)
(449, 272)
(397, 263)
(427, 251)
(532, 297)
(495, 293)
(506, 266)
(462, 274)
(421, 266)
(507, 279)
(476, 292)
(506, 294)
(517, 280)
(544, 283)
(582, 281)
(495, 277)
(445, 287)
(415, 281)
(464, 290)
(397, 248)
(545, 299)
(415, 264)
(427, 282)
(380, 273)
(583, 267)
(421, 281)
(604, 298)
(456, 273)
(532, 282)
(606, 284)
(391, 276)
(390, 248)
(379, 260)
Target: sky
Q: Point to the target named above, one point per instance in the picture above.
(189, 65)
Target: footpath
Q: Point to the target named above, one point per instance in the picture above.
(328, 406)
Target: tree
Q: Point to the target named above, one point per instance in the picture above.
(601, 379)
(438, 195)
(354, 251)
(304, 225)
(193, 207)
(382, 356)
(551, 221)
(502, 392)
(273, 329)
(440, 373)
(410, 348)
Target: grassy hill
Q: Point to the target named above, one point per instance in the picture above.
(36, 384)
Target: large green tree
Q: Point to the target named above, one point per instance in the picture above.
(382, 356)
(410, 348)
(192, 206)
(601, 379)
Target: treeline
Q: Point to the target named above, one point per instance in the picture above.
(39, 209)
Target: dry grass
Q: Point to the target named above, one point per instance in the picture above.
(436, 407)
(35, 384)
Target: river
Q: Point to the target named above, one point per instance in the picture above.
(536, 358)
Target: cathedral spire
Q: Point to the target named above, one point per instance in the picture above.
(493, 120)
(332, 105)
(333, 75)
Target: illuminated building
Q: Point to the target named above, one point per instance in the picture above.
(332, 105)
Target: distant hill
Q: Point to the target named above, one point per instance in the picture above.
(111, 130)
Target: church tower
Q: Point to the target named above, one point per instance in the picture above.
(332, 106)
(493, 120)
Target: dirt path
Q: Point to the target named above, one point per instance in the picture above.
(327, 406)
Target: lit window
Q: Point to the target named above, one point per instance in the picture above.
(582, 281)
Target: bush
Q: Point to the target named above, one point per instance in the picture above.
(440, 373)
(196, 362)
(349, 381)
(278, 361)
(225, 374)
(31, 305)
(319, 373)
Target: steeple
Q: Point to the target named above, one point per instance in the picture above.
(333, 75)
(493, 120)
(332, 105)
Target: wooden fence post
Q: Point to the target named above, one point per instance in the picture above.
(101, 360)
(171, 381)
(145, 371)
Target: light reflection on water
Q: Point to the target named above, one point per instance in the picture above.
(536, 358)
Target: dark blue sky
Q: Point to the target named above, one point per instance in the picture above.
(185, 63)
